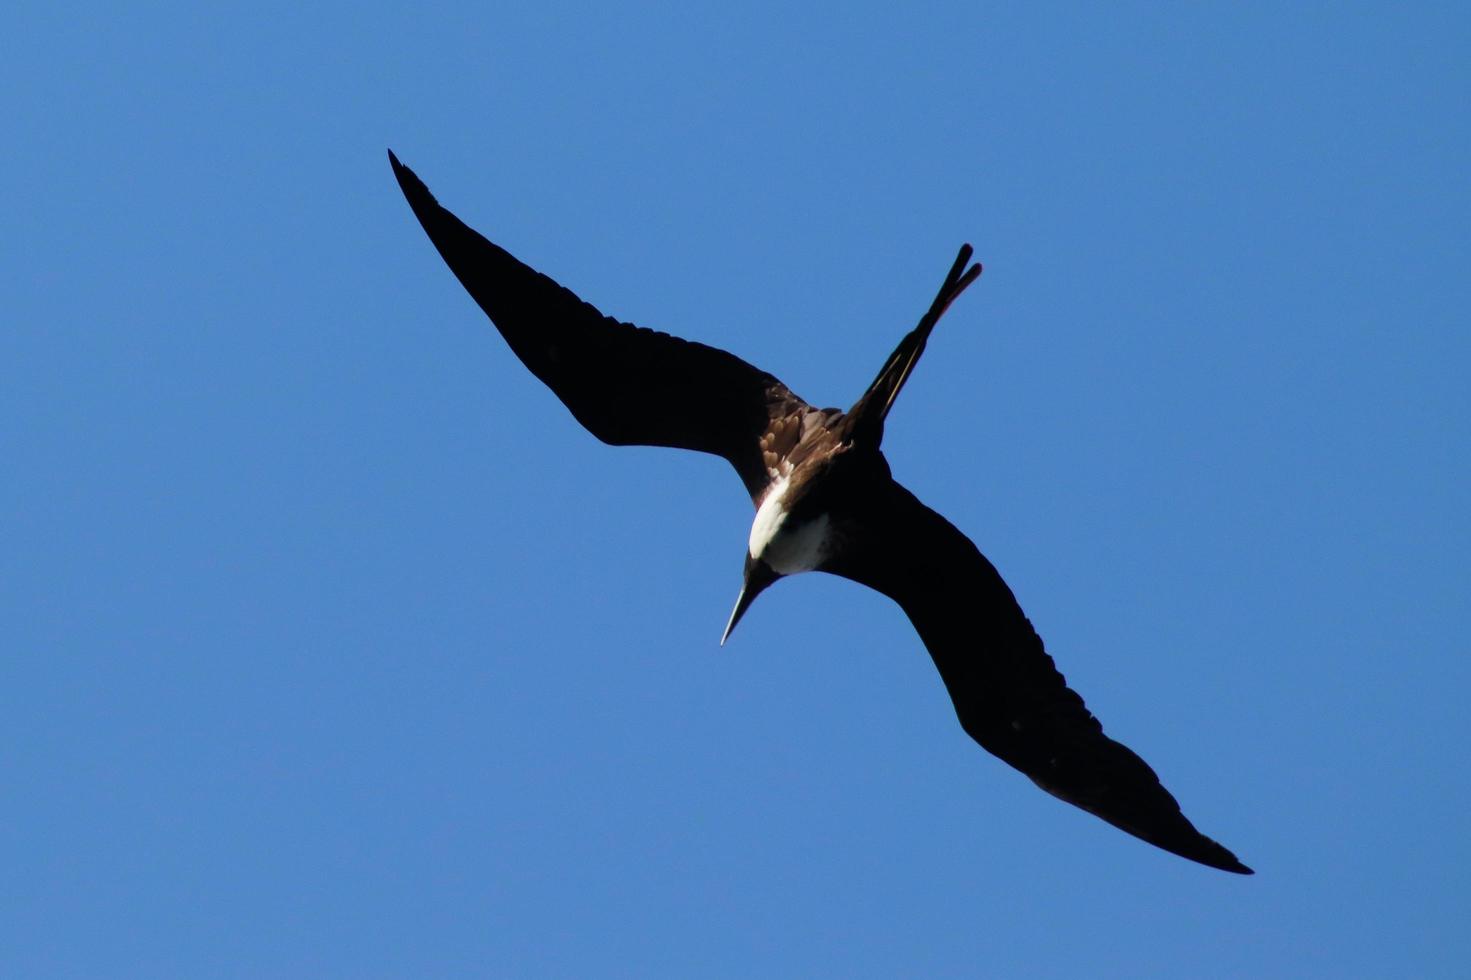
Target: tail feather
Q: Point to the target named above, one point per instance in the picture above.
(866, 418)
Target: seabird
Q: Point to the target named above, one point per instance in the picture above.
(825, 501)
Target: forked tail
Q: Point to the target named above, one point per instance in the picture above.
(865, 421)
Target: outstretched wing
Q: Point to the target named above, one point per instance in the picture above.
(1008, 694)
(627, 385)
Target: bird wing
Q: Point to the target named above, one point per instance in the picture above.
(1007, 692)
(627, 385)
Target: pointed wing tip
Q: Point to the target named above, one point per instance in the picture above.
(1208, 852)
(1169, 831)
(1234, 866)
(1183, 839)
(404, 174)
(408, 181)
(1220, 858)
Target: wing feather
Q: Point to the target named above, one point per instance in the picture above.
(627, 385)
(1007, 691)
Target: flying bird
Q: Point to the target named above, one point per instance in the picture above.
(825, 501)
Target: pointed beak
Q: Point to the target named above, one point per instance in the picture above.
(758, 576)
(743, 602)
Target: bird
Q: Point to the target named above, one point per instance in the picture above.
(826, 501)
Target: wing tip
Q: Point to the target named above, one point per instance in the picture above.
(1204, 851)
(1233, 865)
(1225, 861)
(1161, 824)
(1191, 845)
(413, 188)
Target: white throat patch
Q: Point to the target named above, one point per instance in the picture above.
(788, 550)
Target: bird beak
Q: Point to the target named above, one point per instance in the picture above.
(758, 576)
(743, 602)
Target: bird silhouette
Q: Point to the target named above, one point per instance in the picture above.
(826, 501)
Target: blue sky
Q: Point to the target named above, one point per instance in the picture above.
(333, 647)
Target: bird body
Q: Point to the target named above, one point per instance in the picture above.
(789, 545)
(826, 501)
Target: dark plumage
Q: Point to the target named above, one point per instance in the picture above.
(827, 502)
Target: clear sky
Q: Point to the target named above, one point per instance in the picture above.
(333, 647)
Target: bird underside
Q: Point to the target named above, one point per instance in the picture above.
(826, 501)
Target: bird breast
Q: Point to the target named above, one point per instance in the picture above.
(788, 546)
